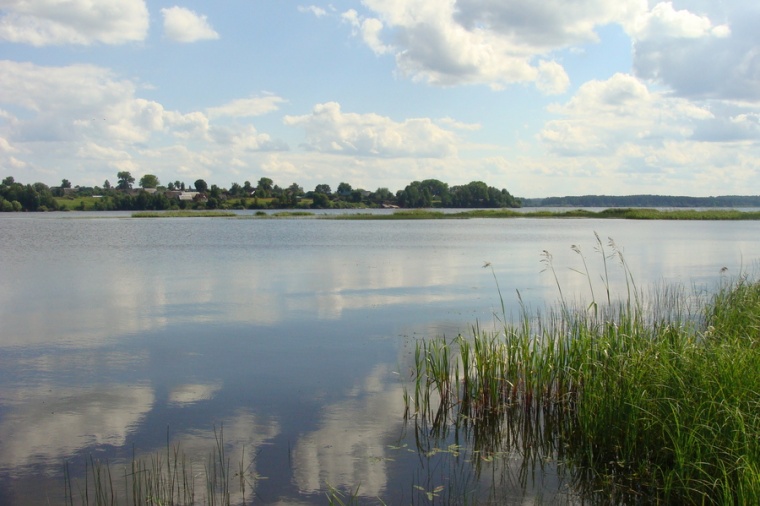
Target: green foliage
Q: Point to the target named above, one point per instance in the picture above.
(320, 201)
(34, 197)
(641, 401)
(149, 181)
(125, 180)
(201, 185)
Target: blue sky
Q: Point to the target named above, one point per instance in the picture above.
(542, 98)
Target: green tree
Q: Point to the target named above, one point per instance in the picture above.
(201, 185)
(125, 180)
(320, 200)
(65, 183)
(235, 190)
(149, 181)
(382, 195)
(264, 188)
(344, 189)
(323, 188)
(107, 184)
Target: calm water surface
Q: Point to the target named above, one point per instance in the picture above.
(294, 335)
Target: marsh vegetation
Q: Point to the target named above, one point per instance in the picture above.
(649, 399)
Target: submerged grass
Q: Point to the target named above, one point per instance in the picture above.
(644, 400)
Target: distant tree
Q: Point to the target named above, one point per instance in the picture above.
(264, 188)
(320, 200)
(235, 190)
(8, 181)
(65, 183)
(125, 180)
(295, 190)
(170, 186)
(214, 192)
(149, 181)
(323, 188)
(344, 189)
(247, 188)
(382, 195)
(201, 185)
(107, 184)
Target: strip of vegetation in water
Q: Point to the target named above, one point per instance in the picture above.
(184, 214)
(628, 213)
(642, 401)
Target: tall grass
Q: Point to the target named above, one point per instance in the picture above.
(160, 480)
(645, 399)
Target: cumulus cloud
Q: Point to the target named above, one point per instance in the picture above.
(607, 115)
(708, 51)
(184, 25)
(87, 117)
(328, 129)
(51, 22)
(492, 42)
(619, 133)
(245, 107)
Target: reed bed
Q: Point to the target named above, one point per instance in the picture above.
(612, 213)
(184, 214)
(648, 399)
(161, 480)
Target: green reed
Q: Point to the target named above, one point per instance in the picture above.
(159, 479)
(649, 398)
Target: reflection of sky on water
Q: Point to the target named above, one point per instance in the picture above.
(289, 333)
(47, 425)
(350, 447)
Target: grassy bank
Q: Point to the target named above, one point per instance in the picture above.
(654, 399)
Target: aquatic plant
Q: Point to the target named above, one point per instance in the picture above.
(160, 480)
(640, 399)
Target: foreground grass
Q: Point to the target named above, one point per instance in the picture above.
(653, 401)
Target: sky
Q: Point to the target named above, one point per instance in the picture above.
(543, 98)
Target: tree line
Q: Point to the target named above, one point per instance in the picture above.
(151, 195)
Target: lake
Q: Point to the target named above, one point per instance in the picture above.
(292, 336)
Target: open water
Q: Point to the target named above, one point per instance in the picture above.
(294, 336)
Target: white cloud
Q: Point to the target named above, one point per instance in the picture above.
(184, 25)
(246, 107)
(491, 42)
(708, 51)
(53, 22)
(83, 118)
(664, 21)
(606, 115)
(619, 137)
(313, 9)
(328, 129)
